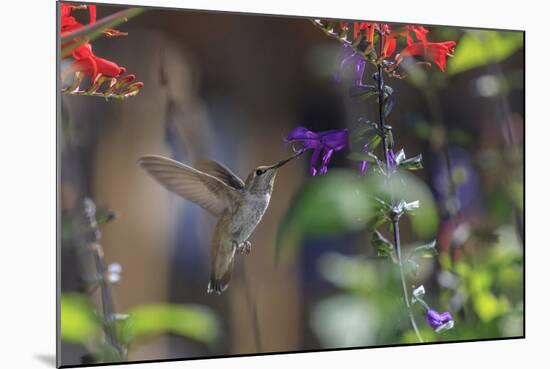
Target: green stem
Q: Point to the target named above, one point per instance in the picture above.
(397, 243)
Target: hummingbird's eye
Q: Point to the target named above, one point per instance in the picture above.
(259, 172)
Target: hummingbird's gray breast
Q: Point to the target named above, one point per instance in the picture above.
(247, 214)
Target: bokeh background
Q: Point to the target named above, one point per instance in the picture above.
(230, 87)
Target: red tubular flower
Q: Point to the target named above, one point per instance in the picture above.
(419, 32)
(390, 37)
(389, 46)
(436, 52)
(69, 23)
(85, 60)
(389, 42)
(368, 28)
(94, 65)
(358, 27)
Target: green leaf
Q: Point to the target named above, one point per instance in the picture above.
(364, 92)
(79, 323)
(192, 321)
(363, 156)
(427, 250)
(389, 136)
(413, 163)
(331, 204)
(479, 48)
(388, 105)
(413, 191)
(405, 207)
(400, 156)
(377, 220)
(368, 134)
(412, 206)
(359, 132)
(382, 245)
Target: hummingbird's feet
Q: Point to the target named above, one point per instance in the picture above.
(244, 248)
(247, 247)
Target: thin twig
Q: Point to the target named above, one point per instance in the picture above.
(397, 242)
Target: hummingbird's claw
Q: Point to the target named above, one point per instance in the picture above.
(243, 248)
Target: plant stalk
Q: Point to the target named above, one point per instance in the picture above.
(397, 243)
(100, 269)
(395, 221)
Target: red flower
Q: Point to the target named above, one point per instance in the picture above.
(88, 63)
(436, 52)
(367, 27)
(419, 32)
(370, 30)
(69, 23)
(85, 60)
(361, 39)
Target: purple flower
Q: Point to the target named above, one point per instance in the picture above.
(392, 162)
(349, 56)
(438, 321)
(324, 144)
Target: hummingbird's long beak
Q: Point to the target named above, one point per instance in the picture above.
(283, 162)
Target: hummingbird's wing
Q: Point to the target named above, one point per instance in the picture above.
(203, 189)
(219, 171)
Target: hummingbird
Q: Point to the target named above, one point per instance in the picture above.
(239, 206)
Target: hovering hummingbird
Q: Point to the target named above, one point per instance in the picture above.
(239, 206)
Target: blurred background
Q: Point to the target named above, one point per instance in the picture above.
(231, 87)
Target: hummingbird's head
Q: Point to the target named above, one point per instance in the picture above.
(261, 179)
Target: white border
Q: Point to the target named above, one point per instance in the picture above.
(27, 196)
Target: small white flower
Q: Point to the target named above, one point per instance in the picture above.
(444, 327)
(120, 316)
(419, 293)
(114, 272)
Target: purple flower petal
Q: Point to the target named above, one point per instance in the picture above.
(359, 71)
(349, 56)
(336, 139)
(326, 142)
(326, 157)
(436, 319)
(301, 133)
(393, 165)
(314, 160)
(363, 166)
(346, 55)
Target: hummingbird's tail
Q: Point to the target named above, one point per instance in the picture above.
(222, 259)
(218, 284)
